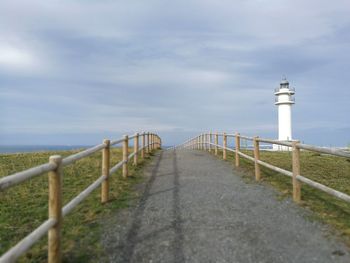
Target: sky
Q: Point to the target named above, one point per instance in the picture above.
(75, 72)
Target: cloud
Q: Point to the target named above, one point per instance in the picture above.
(17, 59)
(180, 67)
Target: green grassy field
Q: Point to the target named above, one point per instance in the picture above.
(24, 207)
(328, 170)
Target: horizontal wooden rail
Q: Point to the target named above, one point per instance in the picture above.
(222, 147)
(283, 143)
(275, 168)
(246, 137)
(200, 141)
(116, 142)
(131, 137)
(27, 242)
(270, 166)
(75, 157)
(130, 156)
(330, 151)
(80, 197)
(246, 156)
(324, 188)
(55, 168)
(116, 167)
(14, 179)
(217, 145)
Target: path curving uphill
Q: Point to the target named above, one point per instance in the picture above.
(194, 208)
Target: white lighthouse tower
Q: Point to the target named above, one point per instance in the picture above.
(284, 100)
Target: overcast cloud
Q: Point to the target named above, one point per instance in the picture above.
(74, 72)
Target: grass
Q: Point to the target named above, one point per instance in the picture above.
(329, 170)
(25, 206)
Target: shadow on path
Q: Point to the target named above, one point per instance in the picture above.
(177, 222)
(128, 246)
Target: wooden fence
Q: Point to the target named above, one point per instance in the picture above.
(53, 225)
(205, 142)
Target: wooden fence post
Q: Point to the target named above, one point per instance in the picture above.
(55, 210)
(125, 155)
(296, 171)
(256, 158)
(224, 144)
(136, 149)
(147, 148)
(216, 143)
(203, 140)
(207, 142)
(210, 141)
(238, 147)
(143, 146)
(152, 142)
(105, 171)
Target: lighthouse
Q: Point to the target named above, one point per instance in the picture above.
(284, 100)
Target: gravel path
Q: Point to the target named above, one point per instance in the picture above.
(193, 208)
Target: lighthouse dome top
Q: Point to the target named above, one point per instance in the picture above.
(284, 82)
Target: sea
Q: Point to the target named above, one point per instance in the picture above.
(11, 149)
(6, 149)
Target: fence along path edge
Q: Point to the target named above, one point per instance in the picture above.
(198, 142)
(52, 225)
